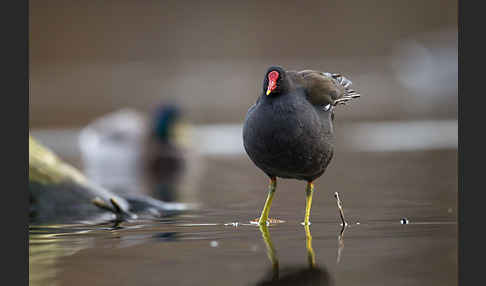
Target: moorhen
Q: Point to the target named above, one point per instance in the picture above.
(288, 132)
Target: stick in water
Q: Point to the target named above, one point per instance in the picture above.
(340, 236)
(340, 207)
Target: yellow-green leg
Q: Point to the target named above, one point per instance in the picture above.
(268, 203)
(308, 201)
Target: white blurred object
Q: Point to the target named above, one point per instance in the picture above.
(219, 139)
(385, 136)
(427, 64)
(111, 150)
(403, 135)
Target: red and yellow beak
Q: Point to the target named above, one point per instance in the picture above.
(271, 86)
(272, 81)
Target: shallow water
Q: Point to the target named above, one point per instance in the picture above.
(216, 245)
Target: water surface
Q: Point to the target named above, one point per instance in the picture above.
(216, 245)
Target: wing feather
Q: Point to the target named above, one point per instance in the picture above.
(325, 88)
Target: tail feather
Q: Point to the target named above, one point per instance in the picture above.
(349, 94)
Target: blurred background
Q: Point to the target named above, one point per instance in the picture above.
(95, 58)
(210, 57)
(102, 71)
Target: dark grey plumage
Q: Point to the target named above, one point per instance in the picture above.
(289, 133)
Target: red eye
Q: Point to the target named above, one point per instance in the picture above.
(273, 75)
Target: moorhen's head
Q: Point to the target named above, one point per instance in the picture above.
(275, 81)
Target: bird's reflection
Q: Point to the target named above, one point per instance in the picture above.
(340, 243)
(271, 253)
(311, 256)
(310, 275)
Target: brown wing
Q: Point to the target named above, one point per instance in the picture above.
(324, 88)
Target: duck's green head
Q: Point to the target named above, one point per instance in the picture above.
(165, 118)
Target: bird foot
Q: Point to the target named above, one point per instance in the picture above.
(269, 221)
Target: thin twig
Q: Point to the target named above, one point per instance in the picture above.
(340, 207)
(344, 224)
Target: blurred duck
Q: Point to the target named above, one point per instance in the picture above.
(111, 150)
(130, 153)
(163, 157)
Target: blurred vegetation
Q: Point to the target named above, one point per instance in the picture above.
(46, 168)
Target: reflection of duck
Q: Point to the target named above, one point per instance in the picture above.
(311, 275)
(45, 253)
